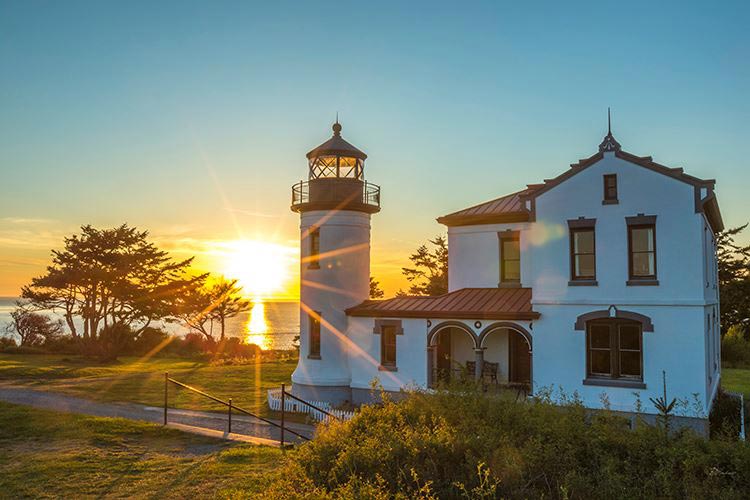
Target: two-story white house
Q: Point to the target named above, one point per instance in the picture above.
(596, 282)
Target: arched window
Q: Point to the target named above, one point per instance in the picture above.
(614, 349)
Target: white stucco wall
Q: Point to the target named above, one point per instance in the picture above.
(342, 281)
(676, 346)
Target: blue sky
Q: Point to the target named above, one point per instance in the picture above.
(192, 119)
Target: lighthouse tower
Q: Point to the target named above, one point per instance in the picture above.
(335, 205)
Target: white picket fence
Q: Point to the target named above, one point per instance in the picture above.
(274, 403)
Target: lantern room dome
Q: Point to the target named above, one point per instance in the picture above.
(336, 146)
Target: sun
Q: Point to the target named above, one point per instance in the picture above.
(263, 269)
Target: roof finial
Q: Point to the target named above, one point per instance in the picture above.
(337, 125)
(609, 143)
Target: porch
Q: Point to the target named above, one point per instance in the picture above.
(500, 357)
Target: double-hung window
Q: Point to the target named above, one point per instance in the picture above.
(582, 251)
(510, 258)
(642, 250)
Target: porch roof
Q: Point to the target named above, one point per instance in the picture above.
(466, 303)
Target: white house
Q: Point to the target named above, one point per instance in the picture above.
(596, 282)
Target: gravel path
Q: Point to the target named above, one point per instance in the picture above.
(241, 424)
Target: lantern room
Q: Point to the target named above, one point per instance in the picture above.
(336, 179)
(336, 158)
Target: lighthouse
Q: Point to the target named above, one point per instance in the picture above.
(335, 204)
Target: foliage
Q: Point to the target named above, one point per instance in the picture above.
(725, 416)
(200, 308)
(429, 276)
(734, 278)
(735, 347)
(33, 329)
(110, 276)
(375, 291)
(451, 445)
(663, 405)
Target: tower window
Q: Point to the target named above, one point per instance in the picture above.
(510, 258)
(314, 257)
(610, 189)
(313, 322)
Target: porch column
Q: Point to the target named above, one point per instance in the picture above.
(430, 365)
(478, 362)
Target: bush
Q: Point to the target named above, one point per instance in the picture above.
(725, 417)
(450, 445)
(735, 348)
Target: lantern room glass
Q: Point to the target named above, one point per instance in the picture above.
(336, 166)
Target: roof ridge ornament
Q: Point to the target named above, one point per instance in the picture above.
(337, 126)
(609, 143)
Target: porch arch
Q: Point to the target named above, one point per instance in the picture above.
(523, 332)
(511, 326)
(432, 335)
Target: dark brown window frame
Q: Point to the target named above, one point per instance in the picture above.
(580, 225)
(512, 236)
(607, 199)
(641, 222)
(313, 332)
(314, 257)
(615, 378)
(396, 327)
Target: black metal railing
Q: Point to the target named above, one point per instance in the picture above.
(285, 394)
(230, 407)
(337, 191)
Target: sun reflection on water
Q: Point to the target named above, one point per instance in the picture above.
(256, 329)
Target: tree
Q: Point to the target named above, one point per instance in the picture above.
(32, 328)
(111, 276)
(734, 278)
(201, 307)
(429, 276)
(375, 291)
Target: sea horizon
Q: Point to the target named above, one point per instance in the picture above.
(270, 324)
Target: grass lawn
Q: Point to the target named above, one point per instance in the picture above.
(736, 380)
(142, 381)
(47, 454)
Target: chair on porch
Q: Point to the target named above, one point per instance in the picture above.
(489, 371)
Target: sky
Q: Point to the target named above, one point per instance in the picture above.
(192, 119)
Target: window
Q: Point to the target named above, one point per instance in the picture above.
(610, 189)
(388, 346)
(313, 321)
(510, 258)
(642, 250)
(314, 258)
(614, 350)
(582, 254)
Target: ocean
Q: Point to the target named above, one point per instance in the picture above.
(271, 325)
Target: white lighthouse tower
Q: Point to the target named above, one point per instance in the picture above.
(335, 205)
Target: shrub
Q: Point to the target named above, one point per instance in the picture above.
(450, 445)
(725, 417)
(735, 348)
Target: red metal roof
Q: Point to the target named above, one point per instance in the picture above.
(508, 208)
(467, 303)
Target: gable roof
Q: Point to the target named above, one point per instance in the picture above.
(511, 207)
(466, 303)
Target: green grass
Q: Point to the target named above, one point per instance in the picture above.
(736, 380)
(142, 381)
(45, 454)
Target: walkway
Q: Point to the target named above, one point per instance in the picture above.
(242, 425)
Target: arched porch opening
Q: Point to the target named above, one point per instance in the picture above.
(508, 354)
(451, 350)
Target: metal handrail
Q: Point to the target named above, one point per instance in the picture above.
(229, 404)
(370, 193)
(309, 404)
